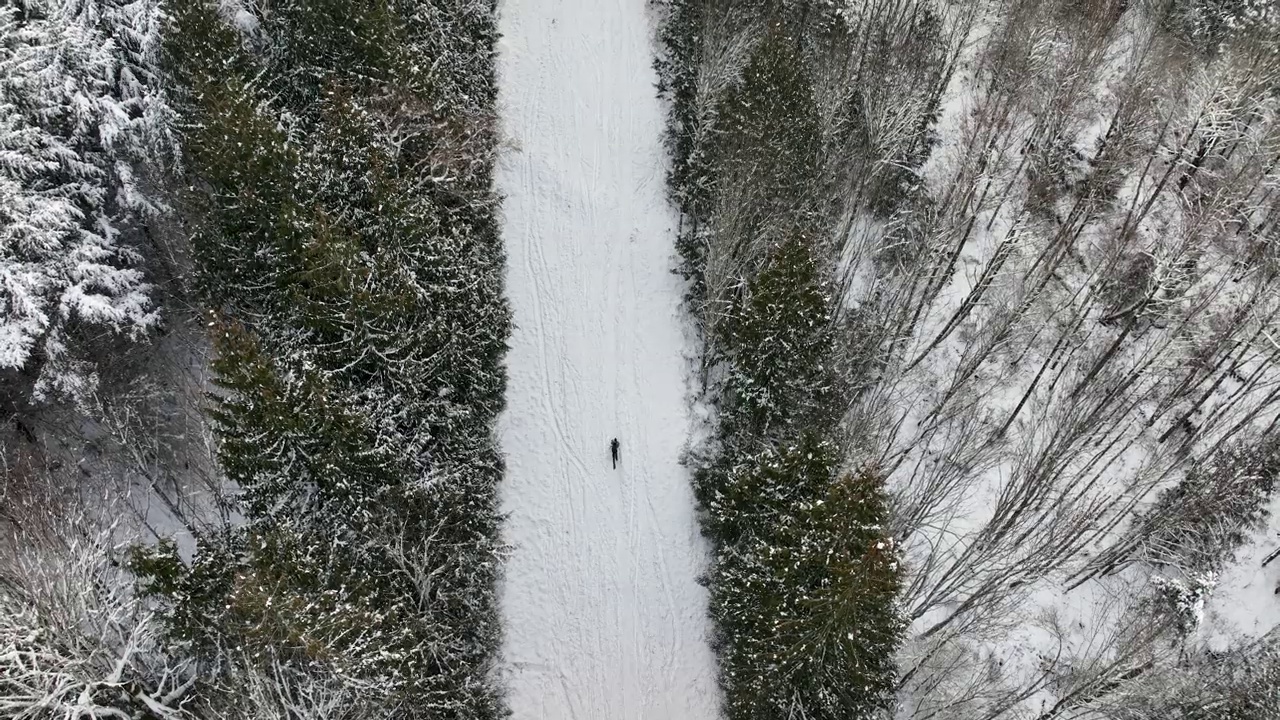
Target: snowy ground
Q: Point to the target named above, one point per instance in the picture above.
(603, 615)
(1244, 603)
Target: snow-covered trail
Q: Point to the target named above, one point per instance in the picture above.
(604, 619)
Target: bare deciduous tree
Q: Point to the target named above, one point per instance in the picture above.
(75, 641)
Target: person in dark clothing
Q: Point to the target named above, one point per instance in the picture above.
(613, 450)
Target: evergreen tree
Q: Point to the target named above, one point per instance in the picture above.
(805, 596)
(83, 122)
(805, 579)
(779, 339)
(347, 244)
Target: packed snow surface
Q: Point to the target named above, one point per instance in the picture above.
(602, 611)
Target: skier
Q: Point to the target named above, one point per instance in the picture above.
(613, 450)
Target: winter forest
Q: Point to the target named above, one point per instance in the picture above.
(983, 359)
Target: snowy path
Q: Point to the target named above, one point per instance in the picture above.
(603, 617)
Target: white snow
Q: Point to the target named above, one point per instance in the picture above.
(1245, 606)
(603, 615)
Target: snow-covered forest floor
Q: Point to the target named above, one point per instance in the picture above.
(603, 614)
(1138, 375)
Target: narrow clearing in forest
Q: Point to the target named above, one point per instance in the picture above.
(603, 615)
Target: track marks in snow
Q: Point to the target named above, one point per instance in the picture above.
(603, 616)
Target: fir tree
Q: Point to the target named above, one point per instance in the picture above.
(83, 122)
(359, 324)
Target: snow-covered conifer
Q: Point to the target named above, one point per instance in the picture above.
(350, 251)
(82, 119)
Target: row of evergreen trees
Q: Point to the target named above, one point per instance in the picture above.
(332, 162)
(804, 577)
(337, 166)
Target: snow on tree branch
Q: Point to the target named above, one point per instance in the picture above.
(82, 118)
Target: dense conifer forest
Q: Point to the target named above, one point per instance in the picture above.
(324, 171)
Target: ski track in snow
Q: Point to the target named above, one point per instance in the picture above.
(603, 615)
